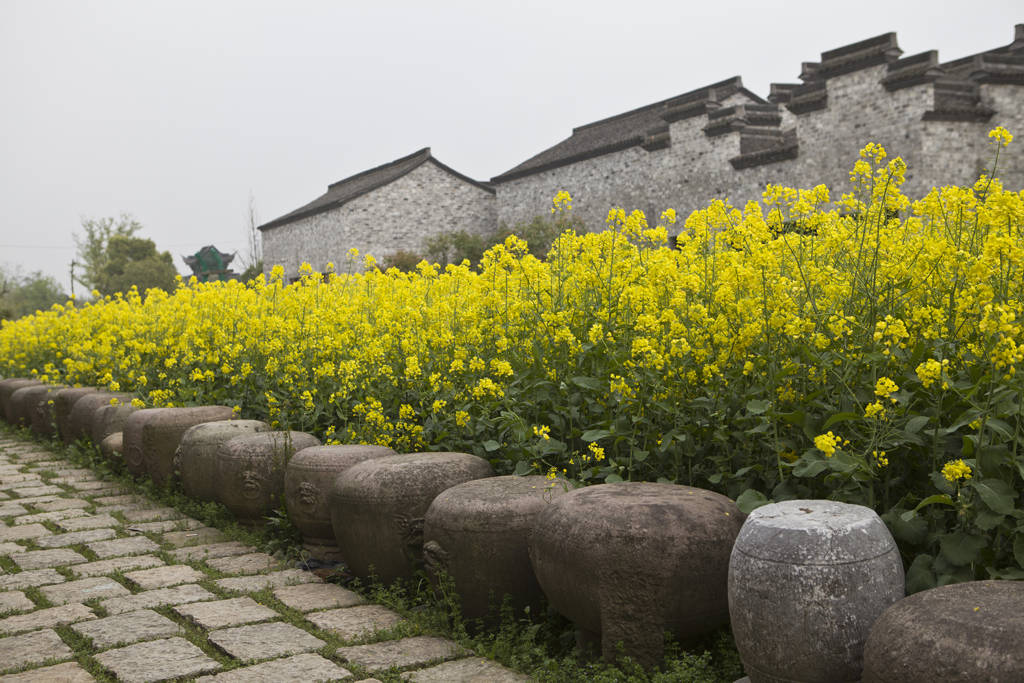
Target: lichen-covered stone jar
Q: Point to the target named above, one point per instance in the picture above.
(195, 460)
(151, 437)
(250, 471)
(307, 487)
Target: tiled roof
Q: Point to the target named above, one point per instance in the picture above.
(346, 190)
(629, 129)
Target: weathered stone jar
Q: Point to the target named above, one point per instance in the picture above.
(377, 508)
(960, 633)
(42, 413)
(250, 471)
(82, 418)
(196, 457)
(25, 402)
(109, 419)
(63, 403)
(7, 389)
(629, 561)
(477, 533)
(807, 579)
(151, 437)
(112, 448)
(307, 487)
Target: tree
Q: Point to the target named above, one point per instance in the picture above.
(21, 295)
(253, 259)
(135, 261)
(92, 249)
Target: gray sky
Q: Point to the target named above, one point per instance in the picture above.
(176, 111)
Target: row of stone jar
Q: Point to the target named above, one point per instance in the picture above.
(804, 583)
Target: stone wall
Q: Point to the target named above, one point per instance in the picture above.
(809, 134)
(398, 216)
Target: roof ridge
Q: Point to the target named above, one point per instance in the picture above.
(425, 151)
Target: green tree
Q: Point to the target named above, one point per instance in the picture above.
(21, 295)
(92, 248)
(135, 261)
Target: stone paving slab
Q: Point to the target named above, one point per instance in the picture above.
(31, 648)
(157, 660)
(87, 522)
(25, 531)
(122, 499)
(116, 564)
(45, 618)
(34, 491)
(162, 596)
(10, 548)
(200, 536)
(250, 563)
(296, 669)
(62, 504)
(133, 545)
(53, 516)
(12, 509)
(14, 481)
(85, 485)
(414, 651)
(307, 597)
(264, 641)
(223, 613)
(469, 670)
(162, 577)
(251, 584)
(81, 590)
(15, 601)
(165, 526)
(37, 577)
(150, 514)
(38, 559)
(69, 672)
(75, 538)
(353, 623)
(127, 628)
(202, 552)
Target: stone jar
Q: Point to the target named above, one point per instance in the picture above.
(81, 419)
(25, 402)
(195, 459)
(377, 508)
(307, 486)
(7, 389)
(807, 579)
(151, 437)
(63, 403)
(112, 448)
(631, 560)
(110, 418)
(250, 471)
(960, 633)
(42, 413)
(476, 533)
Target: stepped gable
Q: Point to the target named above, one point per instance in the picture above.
(347, 189)
(646, 127)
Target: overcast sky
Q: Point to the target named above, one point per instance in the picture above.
(175, 112)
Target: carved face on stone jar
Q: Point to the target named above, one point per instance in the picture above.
(250, 484)
(309, 496)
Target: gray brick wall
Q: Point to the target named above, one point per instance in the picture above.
(398, 216)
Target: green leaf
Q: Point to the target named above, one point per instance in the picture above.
(758, 406)
(960, 549)
(916, 424)
(592, 435)
(750, 500)
(999, 427)
(937, 499)
(913, 530)
(491, 445)
(920, 575)
(839, 417)
(809, 468)
(640, 455)
(612, 479)
(987, 520)
(996, 493)
(1018, 548)
(589, 383)
(523, 468)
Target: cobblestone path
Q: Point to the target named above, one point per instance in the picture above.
(100, 584)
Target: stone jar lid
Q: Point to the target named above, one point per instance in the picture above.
(814, 532)
(330, 458)
(505, 501)
(392, 478)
